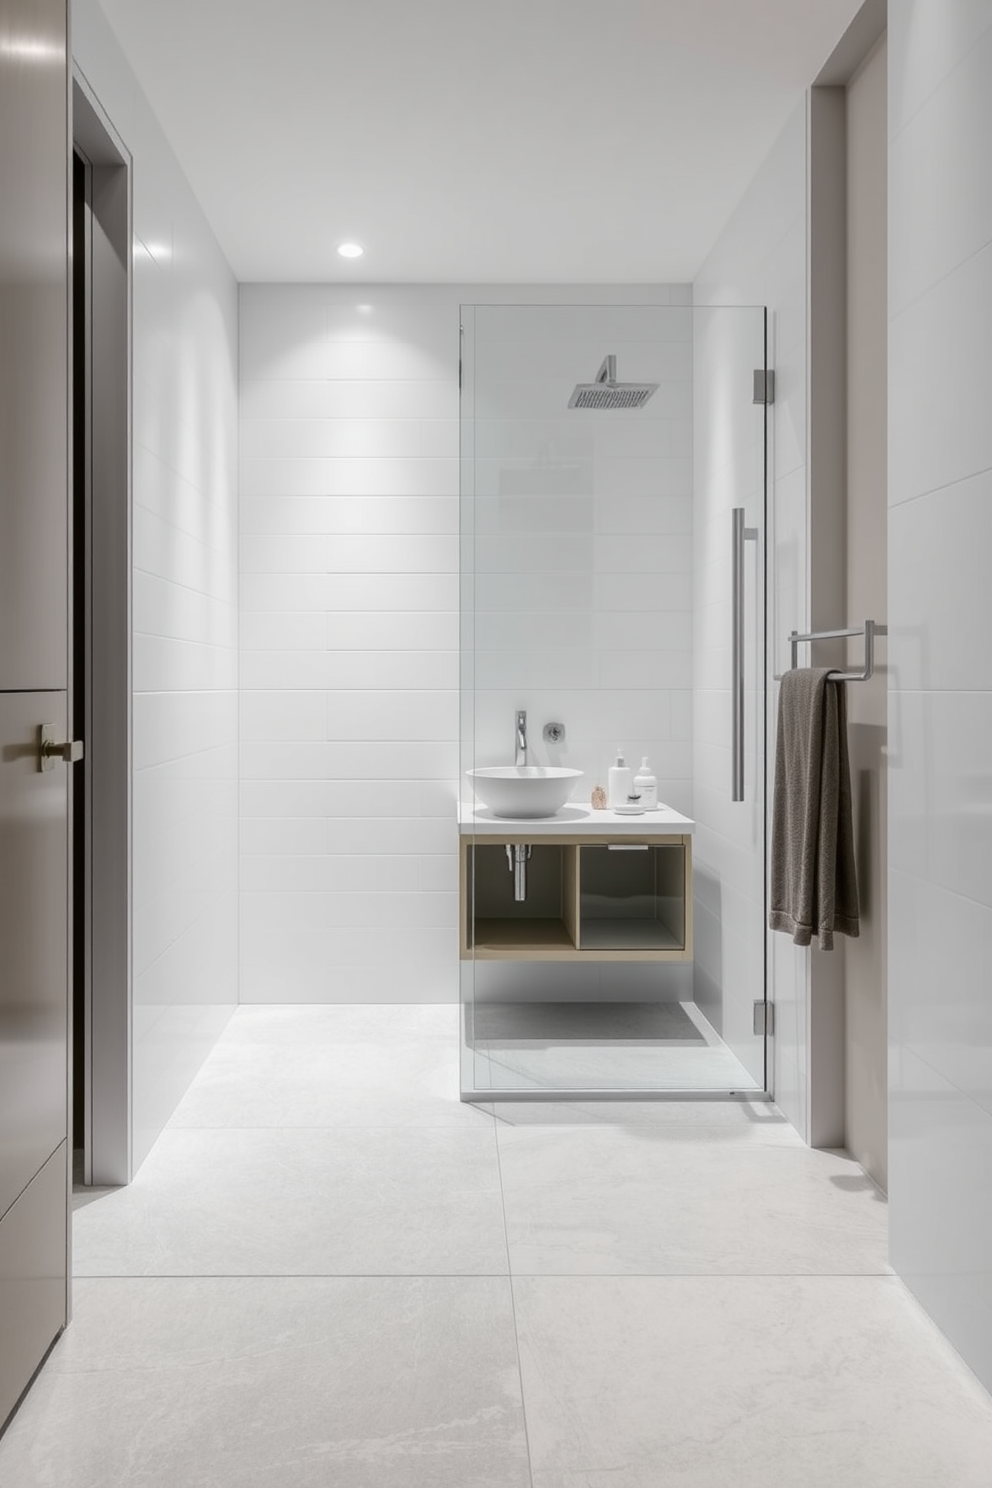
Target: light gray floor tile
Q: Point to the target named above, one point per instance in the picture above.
(351, 1083)
(288, 1383)
(765, 1383)
(614, 1200)
(354, 1327)
(333, 1202)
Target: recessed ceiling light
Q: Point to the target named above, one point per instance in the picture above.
(350, 250)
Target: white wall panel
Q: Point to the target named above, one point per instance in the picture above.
(185, 605)
(940, 689)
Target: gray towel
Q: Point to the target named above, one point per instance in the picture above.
(814, 888)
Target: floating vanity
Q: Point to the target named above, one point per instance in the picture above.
(597, 886)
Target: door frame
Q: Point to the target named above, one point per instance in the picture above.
(106, 721)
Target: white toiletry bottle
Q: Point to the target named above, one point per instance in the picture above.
(646, 786)
(619, 784)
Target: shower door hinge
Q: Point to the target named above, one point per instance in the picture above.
(764, 1018)
(764, 386)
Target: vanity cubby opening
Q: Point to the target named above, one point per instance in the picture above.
(499, 925)
(632, 897)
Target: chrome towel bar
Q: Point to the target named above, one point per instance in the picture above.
(869, 630)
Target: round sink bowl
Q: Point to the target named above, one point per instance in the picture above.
(524, 791)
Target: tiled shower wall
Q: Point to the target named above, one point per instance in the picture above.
(350, 628)
(582, 539)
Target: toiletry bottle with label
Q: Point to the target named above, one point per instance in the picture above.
(619, 784)
(646, 786)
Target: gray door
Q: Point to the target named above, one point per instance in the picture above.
(33, 685)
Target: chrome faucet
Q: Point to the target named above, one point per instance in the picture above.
(520, 753)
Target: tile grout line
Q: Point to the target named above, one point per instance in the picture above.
(513, 1303)
(708, 1276)
(290, 1276)
(335, 1126)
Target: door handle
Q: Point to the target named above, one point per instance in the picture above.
(50, 749)
(741, 535)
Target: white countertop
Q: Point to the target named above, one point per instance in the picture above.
(575, 817)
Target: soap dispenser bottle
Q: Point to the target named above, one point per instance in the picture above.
(619, 783)
(646, 786)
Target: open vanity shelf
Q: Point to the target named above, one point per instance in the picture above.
(609, 894)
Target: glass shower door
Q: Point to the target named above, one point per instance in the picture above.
(729, 756)
(602, 449)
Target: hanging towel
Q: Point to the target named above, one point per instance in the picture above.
(814, 888)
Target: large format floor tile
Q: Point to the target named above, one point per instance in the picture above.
(340, 1023)
(278, 1383)
(306, 1287)
(613, 1200)
(368, 1082)
(353, 1201)
(812, 1382)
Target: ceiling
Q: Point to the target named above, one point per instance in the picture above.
(543, 141)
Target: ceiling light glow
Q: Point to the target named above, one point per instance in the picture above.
(350, 250)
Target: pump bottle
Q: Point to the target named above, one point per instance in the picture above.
(619, 784)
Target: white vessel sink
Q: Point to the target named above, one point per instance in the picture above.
(524, 791)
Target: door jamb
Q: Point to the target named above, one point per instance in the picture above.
(107, 1136)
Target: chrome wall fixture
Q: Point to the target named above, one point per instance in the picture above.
(764, 386)
(606, 392)
(870, 629)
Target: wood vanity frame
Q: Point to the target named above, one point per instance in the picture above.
(528, 938)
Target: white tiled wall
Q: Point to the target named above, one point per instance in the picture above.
(349, 665)
(760, 259)
(350, 606)
(185, 620)
(940, 689)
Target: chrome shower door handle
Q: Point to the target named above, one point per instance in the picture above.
(741, 535)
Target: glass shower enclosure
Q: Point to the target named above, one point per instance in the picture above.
(613, 520)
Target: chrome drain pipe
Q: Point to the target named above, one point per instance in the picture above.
(517, 854)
